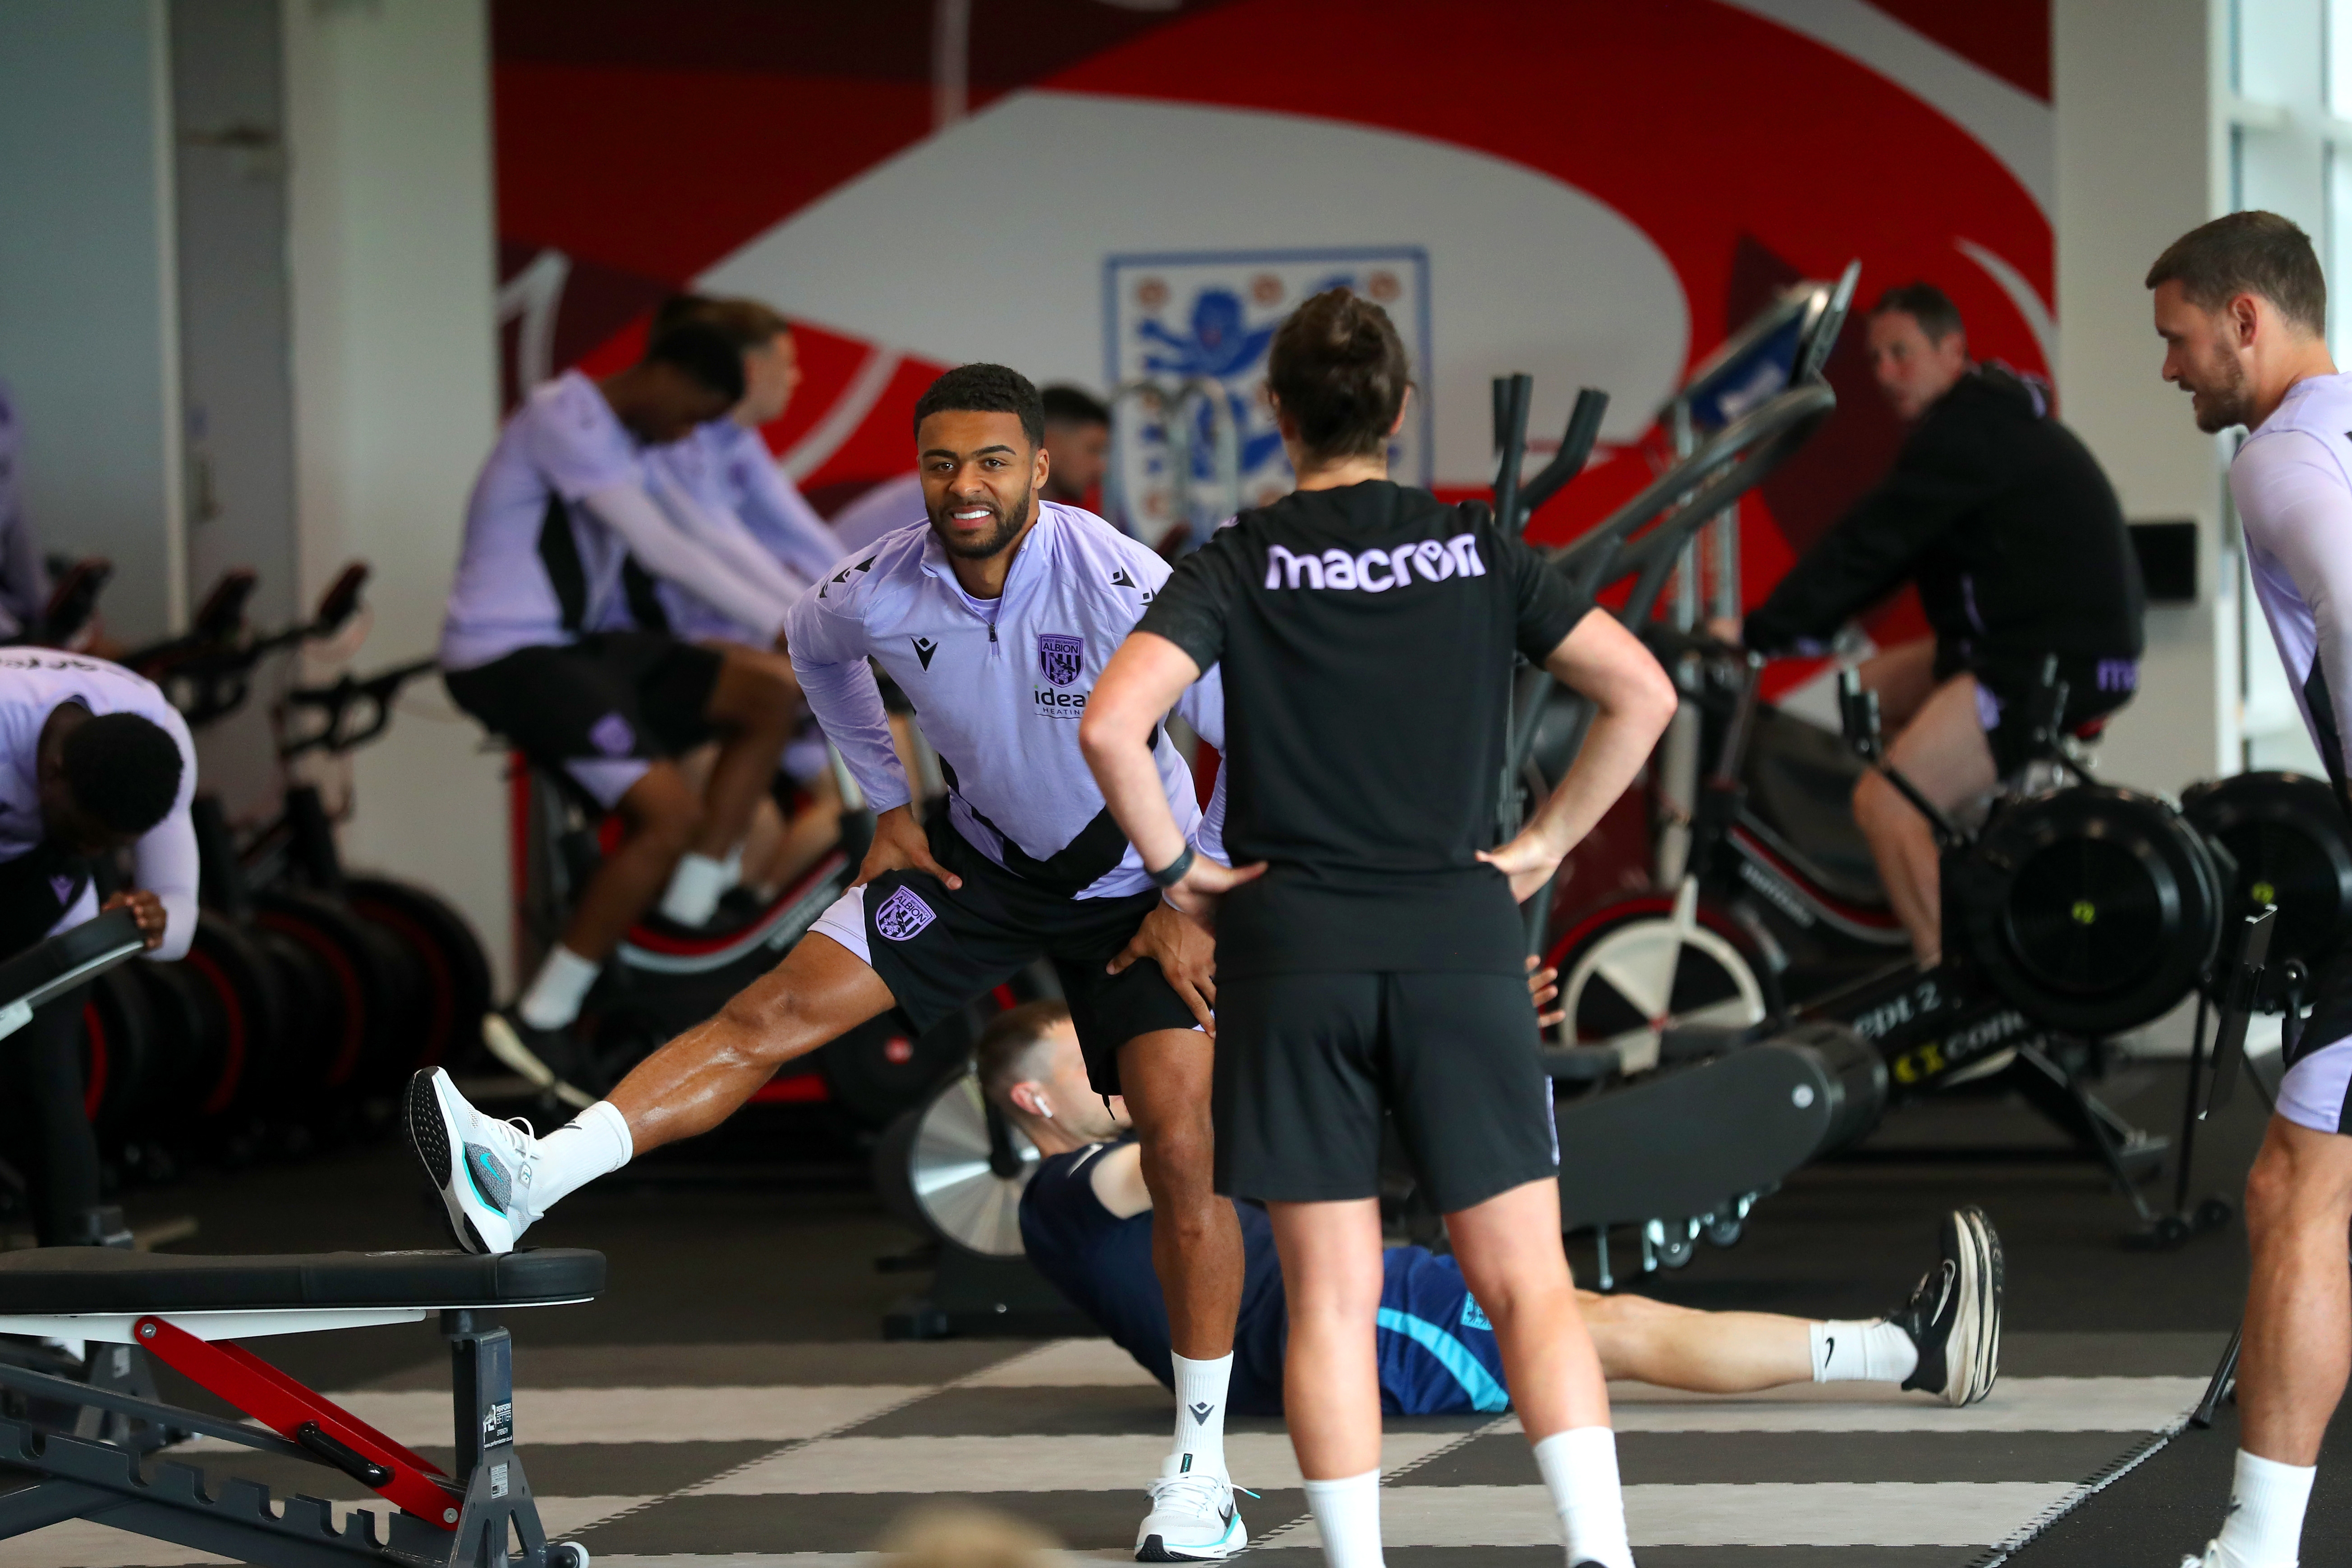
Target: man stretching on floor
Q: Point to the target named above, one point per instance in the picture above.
(1086, 1221)
(2242, 306)
(994, 617)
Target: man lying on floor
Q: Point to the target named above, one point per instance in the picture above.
(1086, 1220)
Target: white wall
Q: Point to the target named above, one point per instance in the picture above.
(2137, 167)
(88, 334)
(396, 390)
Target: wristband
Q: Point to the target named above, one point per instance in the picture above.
(1173, 871)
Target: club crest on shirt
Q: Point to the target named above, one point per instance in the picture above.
(1061, 659)
(903, 915)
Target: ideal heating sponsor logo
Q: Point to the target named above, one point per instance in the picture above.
(1376, 570)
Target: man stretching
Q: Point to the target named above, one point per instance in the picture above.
(1087, 1224)
(994, 619)
(2242, 306)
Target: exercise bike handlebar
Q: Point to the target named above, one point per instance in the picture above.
(207, 671)
(371, 696)
(57, 963)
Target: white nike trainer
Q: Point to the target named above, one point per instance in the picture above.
(481, 1168)
(1193, 1518)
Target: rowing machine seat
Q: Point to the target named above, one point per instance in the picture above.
(46, 1280)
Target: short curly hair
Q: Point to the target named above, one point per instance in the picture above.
(123, 770)
(984, 388)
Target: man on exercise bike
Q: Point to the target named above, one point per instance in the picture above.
(1087, 1224)
(2010, 530)
(539, 645)
(994, 617)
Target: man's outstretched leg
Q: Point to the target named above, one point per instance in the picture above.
(495, 1178)
(1196, 1248)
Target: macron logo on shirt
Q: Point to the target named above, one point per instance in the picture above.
(1376, 570)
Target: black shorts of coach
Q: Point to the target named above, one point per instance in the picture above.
(939, 951)
(612, 695)
(1308, 1061)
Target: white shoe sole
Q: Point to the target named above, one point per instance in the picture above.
(1973, 1354)
(1153, 1547)
(518, 1057)
(433, 1136)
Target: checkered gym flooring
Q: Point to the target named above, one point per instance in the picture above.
(799, 1455)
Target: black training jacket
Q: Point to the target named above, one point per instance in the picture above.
(2005, 521)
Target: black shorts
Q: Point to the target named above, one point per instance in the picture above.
(2007, 690)
(612, 696)
(1306, 1063)
(938, 951)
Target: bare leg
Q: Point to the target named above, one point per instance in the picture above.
(752, 704)
(1944, 752)
(775, 855)
(660, 817)
(1510, 1250)
(821, 990)
(1904, 676)
(1196, 1241)
(2298, 1304)
(1704, 1353)
(1331, 1276)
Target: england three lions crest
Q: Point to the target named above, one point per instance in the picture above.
(1060, 659)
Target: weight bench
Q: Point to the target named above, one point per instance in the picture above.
(180, 1309)
(85, 1441)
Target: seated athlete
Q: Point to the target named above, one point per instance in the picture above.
(1086, 1220)
(1077, 439)
(538, 646)
(93, 760)
(2005, 520)
(993, 616)
(726, 467)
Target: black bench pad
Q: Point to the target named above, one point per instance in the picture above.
(47, 1280)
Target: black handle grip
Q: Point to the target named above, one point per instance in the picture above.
(341, 1454)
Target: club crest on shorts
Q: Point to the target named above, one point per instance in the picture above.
(613, 735)
(1059, 658)
(903, 915)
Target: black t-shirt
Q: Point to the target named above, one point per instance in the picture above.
(2006, 522)
(1367, 637)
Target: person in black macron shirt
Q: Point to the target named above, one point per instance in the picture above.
(1369, 952)
(2005, 520)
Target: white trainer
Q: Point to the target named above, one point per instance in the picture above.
(1193, 1518)
(481, 1168)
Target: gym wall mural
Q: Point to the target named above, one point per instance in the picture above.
(1097, 190)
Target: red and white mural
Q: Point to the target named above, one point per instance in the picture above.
(1596, 192)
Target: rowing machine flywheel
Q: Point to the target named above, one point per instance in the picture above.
(957, 1168)
(2293, 844)
(2092, 909)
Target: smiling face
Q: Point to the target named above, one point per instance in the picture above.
(2206, 354)
(981, 478)
(1912, 369)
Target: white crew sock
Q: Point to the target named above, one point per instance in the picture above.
(1201, 1413)
(1850, 1352)
(694, 889)
(1348, 1516)
(2264, 1529)
(733, 865)
(1580, 1467)
(561, 986)
(594, 1142)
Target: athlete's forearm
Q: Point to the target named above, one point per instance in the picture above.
(848, 704)
(1143, 679)
(1634, 700)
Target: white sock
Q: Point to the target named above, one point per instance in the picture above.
(1348, 1516)
(1201, 1413)
(561, 986)
(2264, 1529)
(1580, 1467)
(733, 865)
(694, 889)
(592, 1144)
(1849, 1352)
